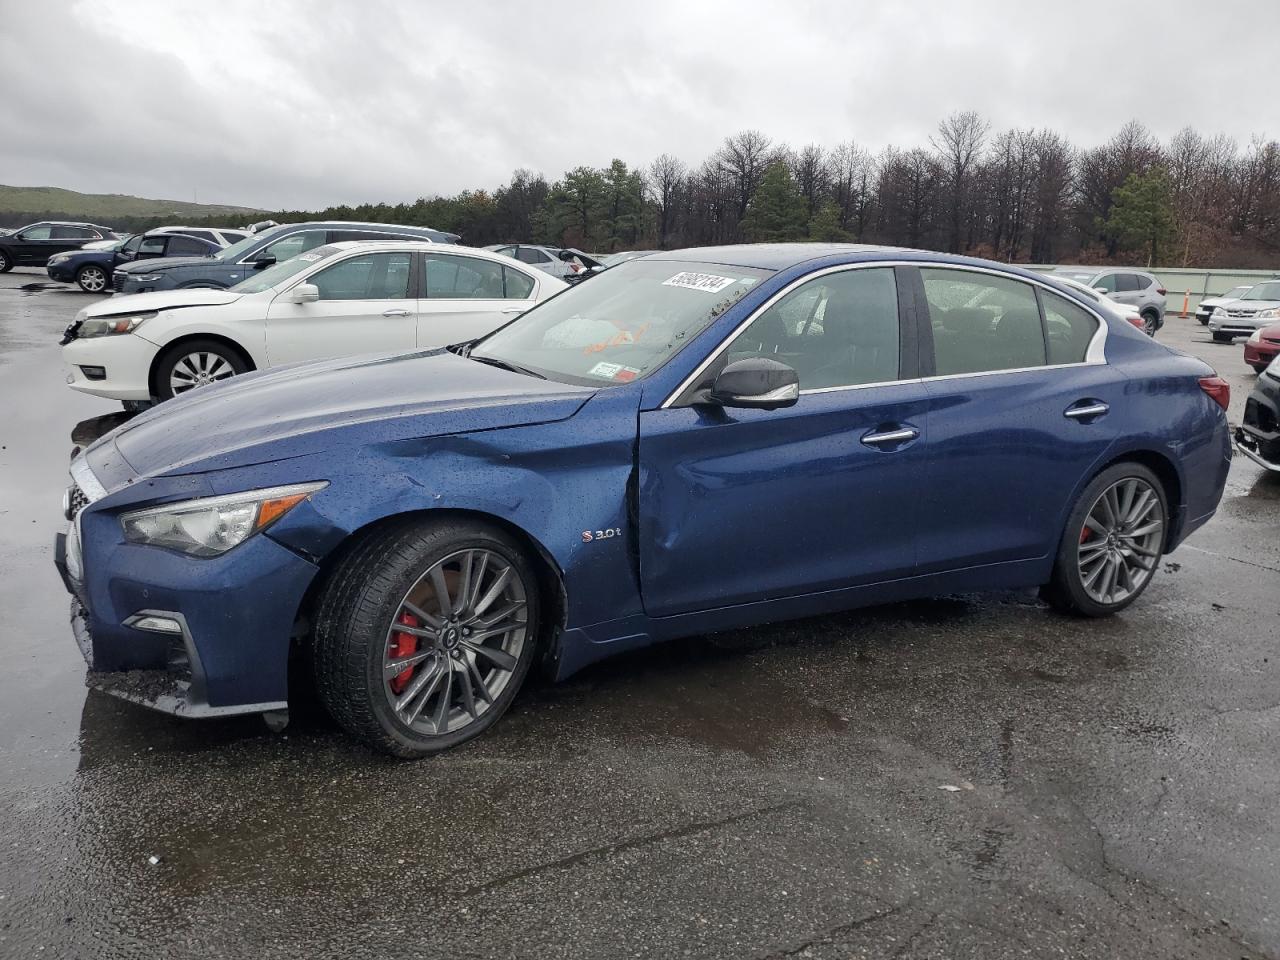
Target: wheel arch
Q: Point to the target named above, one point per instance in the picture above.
(164, 348)
(550, 577)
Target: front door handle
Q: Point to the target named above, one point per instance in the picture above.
(514, 310)
(395, 312)
(901, 435)
(1086, 411)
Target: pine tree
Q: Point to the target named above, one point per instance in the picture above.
(1142, 212)
(825, 225)
(777, 210)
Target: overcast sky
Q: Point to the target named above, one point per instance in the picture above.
(283, 104)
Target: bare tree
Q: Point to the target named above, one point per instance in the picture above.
(809, 170)
(665, 178)
(958, 143)
(744, 158)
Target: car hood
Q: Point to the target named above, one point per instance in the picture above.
(1252, 306)
(320, 406)
(164, 263)
(159, 300)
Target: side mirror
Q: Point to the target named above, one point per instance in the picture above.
(757, 383)
(305, 293)
(1101, 290)
(263, 260)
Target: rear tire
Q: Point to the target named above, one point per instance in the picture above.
(469, 654)
(6, 262)
(1112, 543)
(91, 279)
(195, 363)
(1150, 322)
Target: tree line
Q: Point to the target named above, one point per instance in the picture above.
(1024, 195)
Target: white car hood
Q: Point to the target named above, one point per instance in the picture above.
(159, 300)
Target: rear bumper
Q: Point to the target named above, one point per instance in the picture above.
(1257, 452)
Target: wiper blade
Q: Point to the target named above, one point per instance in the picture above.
(506, 365)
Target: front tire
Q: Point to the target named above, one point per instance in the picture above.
(1112, 543)
(6, 262)
(1222, 338)
(425, 633)
(195, 363)
(91, 279)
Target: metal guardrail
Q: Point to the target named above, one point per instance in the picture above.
(1193, 283)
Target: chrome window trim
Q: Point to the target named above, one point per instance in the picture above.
(1095, 353)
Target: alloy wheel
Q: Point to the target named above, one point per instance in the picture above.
(92, 279)
(197, 370)
(1120, 541)
(454, 642)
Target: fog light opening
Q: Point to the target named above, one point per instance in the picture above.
(154, 623)
(94, 373)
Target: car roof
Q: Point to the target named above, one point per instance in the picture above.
(423, 245)
(771, 256)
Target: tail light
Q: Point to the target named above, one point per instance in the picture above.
(1137, 322)
(1219, 390)
(1161, 290)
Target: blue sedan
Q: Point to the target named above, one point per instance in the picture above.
(695, 441)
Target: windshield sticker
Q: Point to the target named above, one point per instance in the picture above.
(614, 371)
(707, 282)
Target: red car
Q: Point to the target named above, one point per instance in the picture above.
(1261, 348)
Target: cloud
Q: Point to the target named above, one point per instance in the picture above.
(301, 104)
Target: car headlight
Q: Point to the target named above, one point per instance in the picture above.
(213, 525)
(143, 277)
(1257, 336)
(1218, 312)
(1269, 314)
(59, 258)
(110, 326)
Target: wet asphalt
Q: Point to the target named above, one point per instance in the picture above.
(1118, 788)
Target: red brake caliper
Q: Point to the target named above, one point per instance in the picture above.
(1084, 534)
(403, 645)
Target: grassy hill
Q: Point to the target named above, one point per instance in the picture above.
(15, 202)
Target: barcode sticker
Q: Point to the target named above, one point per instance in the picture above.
(708, 282)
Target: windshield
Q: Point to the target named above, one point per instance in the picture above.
(237, 250)
(1264, 291)
(1081, 276)
(278, 273)
(622, 325)
(1082, 288)
(1236, 292)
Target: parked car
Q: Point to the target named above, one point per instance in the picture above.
(1132, 287)
(333, 301)
(34, 244)
(1206, 306)
(92, 270)
(1124, 310)
(562, 262)
(674, 448)
(222, 236)
(1262, 347)
(1258, 436)
(256, 252)
(1258, 308)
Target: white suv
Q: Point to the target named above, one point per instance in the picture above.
(336, 300)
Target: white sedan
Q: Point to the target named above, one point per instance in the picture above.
(336, 300)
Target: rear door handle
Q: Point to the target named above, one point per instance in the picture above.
(513, 310)
(1086, 411)
(901, 435)
(395, 312)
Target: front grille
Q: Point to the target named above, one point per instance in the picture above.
(1272, 339)
(117, 281)
(76, 501)
(1241, 313)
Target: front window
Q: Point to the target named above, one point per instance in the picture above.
(278, 273)
(622, 325)
(1264, 291)
(366, 276)
(288, 247)
(40, 232)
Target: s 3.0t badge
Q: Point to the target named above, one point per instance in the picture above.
(589, 536)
